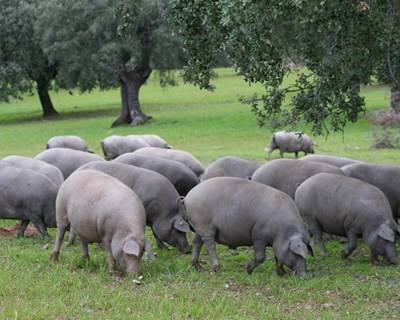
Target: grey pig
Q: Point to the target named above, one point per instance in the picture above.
(384, 177)
(50, 171)
(332, 160)
(351, 208)
(27, 196)
(230, 166)
(114, 146)
(287, 174)
(181, 156)
(101, 209)
(177, 173)
(237, 212)
(67, 160)
(69, 142)
(290, 141)
(159, 197)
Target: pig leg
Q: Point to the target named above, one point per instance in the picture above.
(351, 244)
(281, 153)
(71, 239)
(316, 231)
(197, 244)
(374, 258)
(160, 243)
(22, 228)
(39, 225)
(259, 250)
(296, 154)
(110, 257)
(280, 270)
(85, 250)
(57, 244)
(209, 241)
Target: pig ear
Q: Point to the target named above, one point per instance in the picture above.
(386, 233)
(181, 225)
(131, 247)
(149, 250)
(298, 247)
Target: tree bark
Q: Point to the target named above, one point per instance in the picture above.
(124, 116)
(131, 112)
(47, 105)
(395, 98)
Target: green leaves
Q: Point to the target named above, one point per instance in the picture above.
(340, 44)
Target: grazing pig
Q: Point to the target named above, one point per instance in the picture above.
(67, 160)
(287, 174)
(351, 208)
(101, 209)
(27, 196)
(159, 197)
(69, 142)
(230, 167)
(237, 212)
(181, 156)
(177, 173)
(384, 177)
(332, 160)
(50, 171)
(288, 141)
(114, 146)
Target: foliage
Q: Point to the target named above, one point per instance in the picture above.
(23, 64)
(95, 44)
(385, 137)
(341, 44)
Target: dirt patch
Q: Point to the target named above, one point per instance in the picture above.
(13, 230)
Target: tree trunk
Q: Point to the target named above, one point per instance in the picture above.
(131, 112)
(47, 105)
(124, 116)
(395, 98)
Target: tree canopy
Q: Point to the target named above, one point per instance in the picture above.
(342, 45)
(23, 64)
(108, 43)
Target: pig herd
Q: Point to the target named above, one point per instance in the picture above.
(143, 181)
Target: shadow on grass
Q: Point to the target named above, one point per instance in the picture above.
(67, 115)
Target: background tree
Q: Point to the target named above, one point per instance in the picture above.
(108, 43)
(23, 64)
(342, 44)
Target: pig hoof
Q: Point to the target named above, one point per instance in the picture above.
(215, 268)
(249, 268)
(54, 257)
(344, 255)
(197, 265)
(280, 272)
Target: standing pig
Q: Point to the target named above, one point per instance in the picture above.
(159, 197)
(237, 212)
(332, 160)
(287, 174)
(101, 209)
(384, 177)
(27, 196)
(288, 141)
(351, 208)
(69, 142)
(230, 167)
(50, 171)
(181, 156)
(67, 160)
(177, 173)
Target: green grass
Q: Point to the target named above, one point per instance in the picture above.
(209, 125)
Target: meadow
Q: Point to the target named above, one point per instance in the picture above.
(209, 125)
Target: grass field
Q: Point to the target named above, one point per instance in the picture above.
(209, 125)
